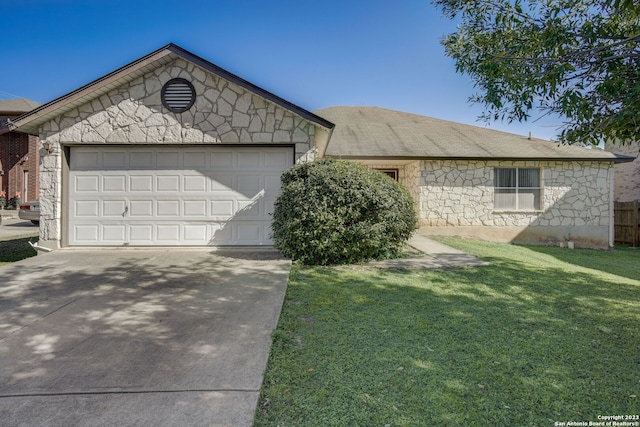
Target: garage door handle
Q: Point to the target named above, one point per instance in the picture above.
(126, 209)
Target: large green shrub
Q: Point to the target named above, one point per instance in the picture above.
(338, 212)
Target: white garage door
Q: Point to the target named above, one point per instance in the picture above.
(146, 196)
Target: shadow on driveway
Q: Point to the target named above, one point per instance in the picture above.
(144, 337)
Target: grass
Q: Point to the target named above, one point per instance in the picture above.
(540, 335)
(15, 248)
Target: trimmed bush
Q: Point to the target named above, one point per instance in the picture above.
(339, 212)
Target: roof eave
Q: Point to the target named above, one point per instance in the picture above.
(617, 159)
(31, 121)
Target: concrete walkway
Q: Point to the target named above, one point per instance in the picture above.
(439, 256)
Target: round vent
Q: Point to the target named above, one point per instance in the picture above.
(178, 95)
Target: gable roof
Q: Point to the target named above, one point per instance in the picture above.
(30, 122)
(379, 133)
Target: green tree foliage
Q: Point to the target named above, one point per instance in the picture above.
(339, 212)
(579, 59)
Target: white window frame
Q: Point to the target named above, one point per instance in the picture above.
(517, 190)
(25, 186)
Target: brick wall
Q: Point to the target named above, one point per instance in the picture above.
(19, 154)
(627, 180)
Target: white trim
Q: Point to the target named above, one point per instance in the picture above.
(612, 229)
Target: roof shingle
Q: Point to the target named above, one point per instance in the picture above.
(15, 106)
(378, 133)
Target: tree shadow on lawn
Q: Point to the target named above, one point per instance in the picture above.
(621, 261)
(506, 344)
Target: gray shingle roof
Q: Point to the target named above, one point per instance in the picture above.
(378, 133)
(20, 105)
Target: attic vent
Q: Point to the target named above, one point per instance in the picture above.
(178, 95)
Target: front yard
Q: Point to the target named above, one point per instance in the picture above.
(542, 335)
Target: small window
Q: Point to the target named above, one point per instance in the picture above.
(391, 173)
(517, 189)
(178, 95)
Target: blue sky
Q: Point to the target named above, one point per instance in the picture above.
(315, 54)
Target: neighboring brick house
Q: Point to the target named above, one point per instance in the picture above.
(19, 157)
(627, 187)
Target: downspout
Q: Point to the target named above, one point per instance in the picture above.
(612, 187)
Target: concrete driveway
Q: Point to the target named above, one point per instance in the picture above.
(137, 337)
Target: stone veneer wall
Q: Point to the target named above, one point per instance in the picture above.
(224, 113)
(576, 199)
(408, 176)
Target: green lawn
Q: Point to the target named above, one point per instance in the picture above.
(541, 335)
(16, 248)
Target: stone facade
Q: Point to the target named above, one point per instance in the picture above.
(223, 113)
(576, 202)
(408, 175)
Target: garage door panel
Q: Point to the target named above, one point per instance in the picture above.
(141, 183)
(141, 160)
(85, 160)
(250, 209)
(87, 208)
(168, 183)
(250, 185)
(195, 160)
(87, 233)
(168, 208)
(87, 183)
(223, 160)
(249, 160)
(174, 196)
(141, 234)
(221, 209)
(221, 182)
(114, 183)
(195, 183)
(277, 160)
(168, 159)
(115, 160)
(249, 233)
(195, 208)
(114, 233)
(272, 184)
(195, 233)
(114, 208)
(168, 233)
(222, 234)
(141, 208)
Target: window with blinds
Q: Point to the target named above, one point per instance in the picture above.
(517, 189)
